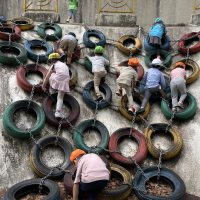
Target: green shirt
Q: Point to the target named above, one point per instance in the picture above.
(73, 4)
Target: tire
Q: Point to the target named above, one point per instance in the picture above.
(12, 129)
(165, 55)
(24, 83)
(19, 190)
(41, 30)
(186, 113)
(195, 70)
(123, 109)
(165, 45)
(175, 147)
(121, 44)
(89, 124)
(23, 23)
(70, 101)
(87, 98)
(95, 33)
(29, 44)
(139, 69)
(42, 169)
(187, 39)
(122, 191)
(115, 139)
(16, 48)
(166, 174)
(13, 31)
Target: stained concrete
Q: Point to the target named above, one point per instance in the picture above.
(14, 159)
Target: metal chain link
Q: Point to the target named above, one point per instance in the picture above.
(188, 54)
(96, 112)
(18, 61)
(159, 164)
(132, 123)
(33, 139)
(170, 122)
(31, 97)
(9, 39)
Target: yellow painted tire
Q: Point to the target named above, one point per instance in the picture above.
(174, 149)
(23, 23)
(195, 70)
(124, 111)
(121, 44)
(121, 192)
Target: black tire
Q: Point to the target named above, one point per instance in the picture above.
(79, 132)
(19, 190)
(87, 98)
(29, 44)
(36, 162)
(98, 34)
(10, 126)
(165, 174)
(16, 48)
(41, 30)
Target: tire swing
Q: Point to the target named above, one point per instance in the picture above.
(123, 42)
(188, 39)
(22, 73)
(191, 64)
(19, 190)
(23, 23)
(30, 44)
(35, 156)
(175, 147)
(6, 31)
(68, 100)
(41, 30)
(122, 191)
(117, 137)
(9, 124)
(20, 51)
(95, 33)
(87, 98)
(90, 124)
(123, 109)
(167, 175)
(188, 112)
(164, 46)
(165, 56)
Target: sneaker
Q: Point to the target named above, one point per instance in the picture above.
(58, 114)
(131, 110)
(174, 109)
(141, 110)
(103, 80)
(119, 93)
(180, 104)
(99, 98)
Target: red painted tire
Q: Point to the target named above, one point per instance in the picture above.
(70, 101)
(7, 30)
(141, 153)
(139, 69)
(22, 73)
(189, 38)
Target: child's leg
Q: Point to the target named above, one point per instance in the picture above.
(97, 79)
(174, 94)
(70, 13)
(147, 95)
(59, 103)
(74, 15)
(128, 90)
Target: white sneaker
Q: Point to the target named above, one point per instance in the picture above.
(58, 114)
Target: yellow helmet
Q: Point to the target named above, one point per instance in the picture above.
(54, 56)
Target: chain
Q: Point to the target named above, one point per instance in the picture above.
(188, 54)
(31, 97)
(18, 61)
(96, 112)
(33, 139)
(145, 122)
(37, 61)
(9, 39)
(170, 122)
(132, 124)
(159, 164)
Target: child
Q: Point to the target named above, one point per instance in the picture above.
(73, 4)
(67, 44)
(98, 68)
(177, 85)
(127, 80)
(157, 32)
(154, 82)
(58, 78)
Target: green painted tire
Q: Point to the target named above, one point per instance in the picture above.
(41, 30)
(165, 55)
(9, 124)
(79, 132)
(14, 47)
(186, 113)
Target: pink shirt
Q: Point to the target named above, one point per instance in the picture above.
(91, 168)
(178, 73)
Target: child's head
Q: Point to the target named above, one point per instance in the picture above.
(158, 20)
(180, 64)
(157, 63)
(53, 57)
(71, 33)
(133, 62)
(98, 50)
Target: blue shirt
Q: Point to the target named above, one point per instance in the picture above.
(158, 29)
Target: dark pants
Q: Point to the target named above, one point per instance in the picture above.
(92, 189)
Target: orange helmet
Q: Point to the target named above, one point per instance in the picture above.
(75, 154)
(133, 62)
(180, 64)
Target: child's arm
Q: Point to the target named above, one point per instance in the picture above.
(46, 79)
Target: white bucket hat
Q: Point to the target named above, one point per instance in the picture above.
(157, 62)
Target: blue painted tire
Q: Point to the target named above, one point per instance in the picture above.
(98, 34)
(164, 46)
(90, 102)
(40, 44)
